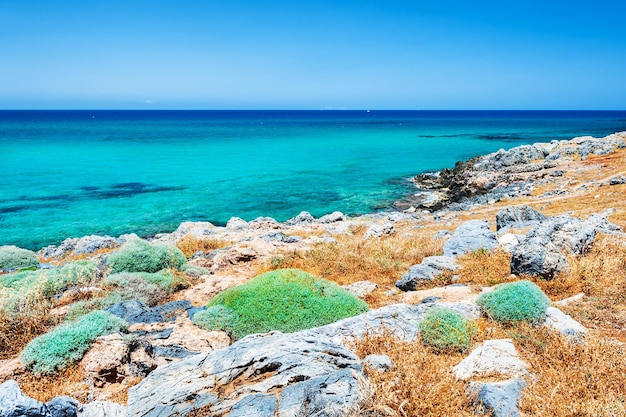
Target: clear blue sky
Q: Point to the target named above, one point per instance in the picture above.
(385, 54)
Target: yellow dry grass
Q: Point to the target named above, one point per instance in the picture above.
(189, 244)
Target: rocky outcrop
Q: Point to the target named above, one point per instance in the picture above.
(536, 256)
(430, 268)
(80, 246)
(379, 230)
(135, 311)
(469, 237)
(381, 363)
(13, 403)
(266, 375)
(102, 409)
(518, 218)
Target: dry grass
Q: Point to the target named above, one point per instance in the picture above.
(70, 382)
(420, 384)
(190, 244)
(584, 379)
(16, 331)
(484, 268)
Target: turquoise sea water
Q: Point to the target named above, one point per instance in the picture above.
(74, 173)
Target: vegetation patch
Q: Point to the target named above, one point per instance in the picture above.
(216, 317)
(514, 302)
(446, 330)
(12, 257)
(189, 245)
(69, 342)
(287, 300)
(138, 255)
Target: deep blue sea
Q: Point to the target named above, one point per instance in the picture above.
(73, 173)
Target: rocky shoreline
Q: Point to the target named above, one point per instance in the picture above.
(168, 366)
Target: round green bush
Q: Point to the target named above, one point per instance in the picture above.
(68, 343)
(215, 317)
(445, 329)
(287, 300)
(515, 301)
(12, 257)
(138, 255)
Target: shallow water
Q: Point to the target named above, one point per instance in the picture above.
(74, 173)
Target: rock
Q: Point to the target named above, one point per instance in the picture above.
(508, 241)
(563, 323)
(492, 357)
(102, 409)
(261, 223)
(135, 311)
(469, 237)
(518, 217)
(602, 224)
(499, 398)
(469, 310)
(381, 363)
(303, 218)
(106, 359)
(63, 407)
(538, 256)
(80, 246)
(569, 300)
(274, 236)
(335, 216)
(261, 375)
(361, 288)
(379, 230)
(142, 359)
(169, 311)
(566, 233)
(442, 234)
(401, 320)
(233, 256)
(431, 268)
(13, 403)
(10, 368)
(236, 223)
(195, 229)
(620, 179)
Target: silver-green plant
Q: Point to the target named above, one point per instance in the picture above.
(446, 330)
(12, 257)
(514, 302)
(68, 343)
(138, 255)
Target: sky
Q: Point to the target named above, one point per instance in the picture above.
(361, 54)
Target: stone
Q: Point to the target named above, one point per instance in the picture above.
(236, 223)
(538, 256)
(80, 246)
(134, 311)
(492, 357)
(10, 368)
(13, 403)
(169, 311)
(569, 300)
(429, 269)
(381, 363)
(602, 224)
(499, 398)
(233, 256)
(620, 179)
(195, 229)
(442, 234)
(469, 237)
(566, 233)
(564, 323)
(63, 406)
(261, 223)
(361, 288)
(518, 217)
(379, 230)
(102, 409)
(105, 360)
(335, 216)
(508, 242)
(260, 374)
(303, 218)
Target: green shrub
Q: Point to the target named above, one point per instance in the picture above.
(287, 300)
(12, 257)
(138, 255)
(216, 317)
(55, 281)
(134, 286)
(515, 301)
(195, 271)
(445, 329)
(68, 343)
(82, 307)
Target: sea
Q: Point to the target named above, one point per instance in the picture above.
(75, 173)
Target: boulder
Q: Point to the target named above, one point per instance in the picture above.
(379, 230)
(80, 246)
(538, 256)
(564, 323)
(134, 311)
(13, 403)
(518, 217)
(430, 268)
(500, 399)
(106, 359)
(361, 288)
(492, 357)
(566, 233)
(469, 237)
(381, 363)
(508, 242)
(63, 407)
(236, 223)
(303, 218)
(261, 375)
(102, 409)
(335, 216)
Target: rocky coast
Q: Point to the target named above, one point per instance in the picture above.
(549, 215)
